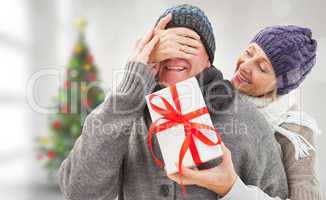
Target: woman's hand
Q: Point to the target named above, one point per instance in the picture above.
(174, 42)
(219, 179)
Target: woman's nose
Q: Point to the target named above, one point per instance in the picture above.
(245, 67)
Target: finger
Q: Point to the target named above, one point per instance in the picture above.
(175, 177)
(188, 50)
(172, 50)
(145, 40)
(163, 22)
(150, 45)
(227, 157)
(181, 40)
(225, 149)
(185, 44)
(194, 168)
(186, 32)
(137, 43)
(156, 67)
(188, 41)
(184, 55)
(189, 173)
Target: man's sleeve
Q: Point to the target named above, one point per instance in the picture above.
(266, 170)
(91, 170)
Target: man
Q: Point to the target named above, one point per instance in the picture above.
(111, 156)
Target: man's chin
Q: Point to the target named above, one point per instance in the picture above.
(168, 83)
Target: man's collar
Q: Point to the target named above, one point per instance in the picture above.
(204, 77)
(208, 75)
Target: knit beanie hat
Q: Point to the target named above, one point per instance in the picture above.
(291, 51)
(192, 17)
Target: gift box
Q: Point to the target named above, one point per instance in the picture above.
(183, 127)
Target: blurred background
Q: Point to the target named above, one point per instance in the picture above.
(38, 35)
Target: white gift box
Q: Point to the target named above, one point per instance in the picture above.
(171, 139)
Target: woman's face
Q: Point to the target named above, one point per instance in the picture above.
(254, 73)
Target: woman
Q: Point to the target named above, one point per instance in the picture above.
(274, 64)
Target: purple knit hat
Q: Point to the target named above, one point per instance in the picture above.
(291, 51)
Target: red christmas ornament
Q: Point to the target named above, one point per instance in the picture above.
(56, 124)
(87, 102)
(90, 59)
(65, 108)
(92, 77)
(51, 154)
(66, 84)
(39, 156)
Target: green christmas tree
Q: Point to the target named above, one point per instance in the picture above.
(78, 95)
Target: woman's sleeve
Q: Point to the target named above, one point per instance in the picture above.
(301, 174)
(246, 192)
(302, 178)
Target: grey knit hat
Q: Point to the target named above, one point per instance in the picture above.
(291, 51)
(193, 18)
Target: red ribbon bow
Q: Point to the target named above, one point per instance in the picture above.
(174, 117)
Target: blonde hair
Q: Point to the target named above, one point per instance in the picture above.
(272, 94)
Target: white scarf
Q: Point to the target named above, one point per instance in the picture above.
(284, 110)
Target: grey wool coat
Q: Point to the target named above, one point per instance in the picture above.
(111, 156)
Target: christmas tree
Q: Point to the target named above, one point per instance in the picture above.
(78, 95)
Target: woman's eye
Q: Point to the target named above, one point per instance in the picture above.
(247, 52)
(262, 68)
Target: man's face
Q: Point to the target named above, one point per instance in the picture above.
(174, 70)
(254, 73)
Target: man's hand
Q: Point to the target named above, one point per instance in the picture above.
(219, 179)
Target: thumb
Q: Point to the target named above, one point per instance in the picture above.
(227, 157)
(163, 22)
(137, 43)
(188, 172)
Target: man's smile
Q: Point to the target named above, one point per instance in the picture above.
(176, 64)
(175, 68)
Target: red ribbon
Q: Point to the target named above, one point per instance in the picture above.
(174, 117)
